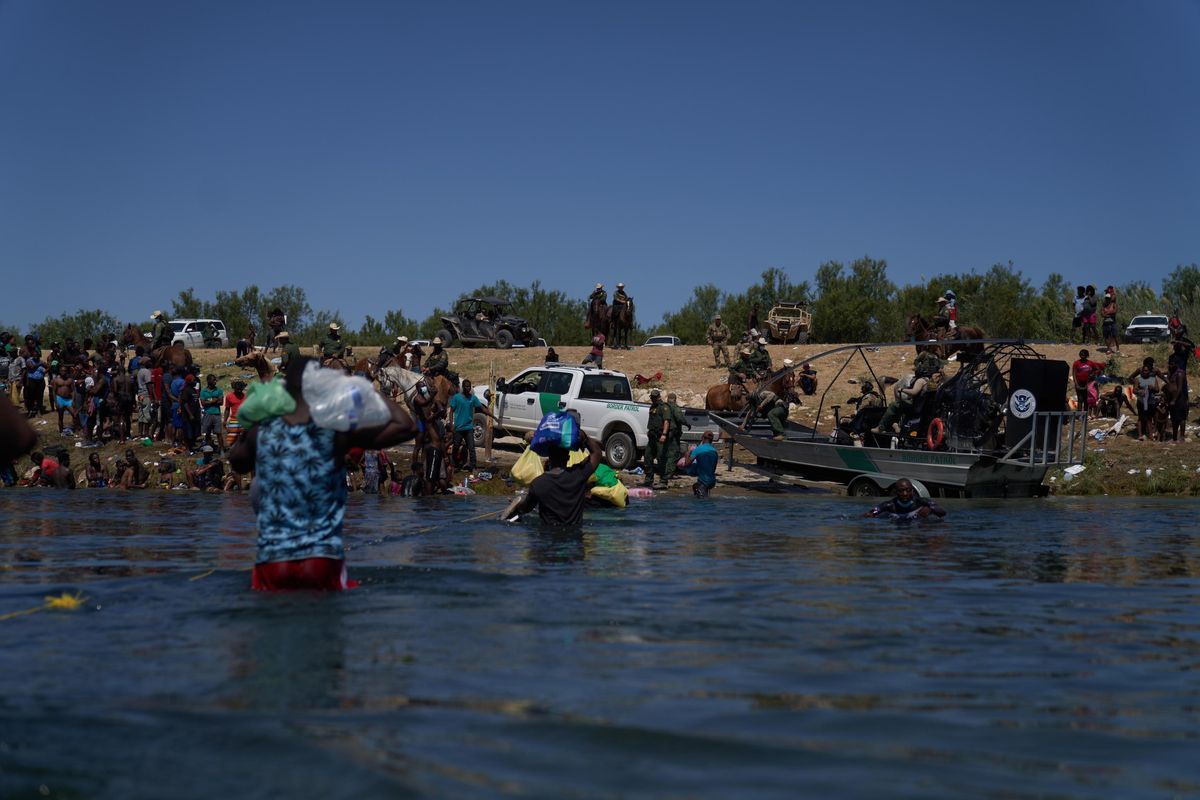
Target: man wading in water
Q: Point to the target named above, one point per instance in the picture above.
(301, 473)
(907, 504)
(559, 494)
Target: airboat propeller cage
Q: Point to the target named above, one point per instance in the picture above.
(1037, 385)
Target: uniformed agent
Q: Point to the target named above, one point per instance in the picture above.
(598, 294)
(743, 368)
(332, 345)
(619, 296)
(674, 437)
(289, 350)
(438, 363)
(718, 336)
(941, 319)
(658, 434)
(161, 334)
(760, 358)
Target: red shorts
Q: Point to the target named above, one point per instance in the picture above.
(319, 574)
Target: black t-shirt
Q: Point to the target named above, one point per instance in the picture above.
(561, 495)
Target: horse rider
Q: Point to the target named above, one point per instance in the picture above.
(161, 334)
(389, 354)
(290, 350)
(620, 298)
(740, 370)
(940, 325)
(332, 345)
(598, 295)
(951, 306)
(718, 336)
(276, 321)
(438, 363)
(760, 358)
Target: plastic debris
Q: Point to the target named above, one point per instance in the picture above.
(485, 476)
(1132, 472)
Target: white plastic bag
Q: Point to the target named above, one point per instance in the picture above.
(342, 402)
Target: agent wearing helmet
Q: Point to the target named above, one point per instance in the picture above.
(332, 345)
(718, 336)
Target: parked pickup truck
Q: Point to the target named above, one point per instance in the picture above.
(602, 398)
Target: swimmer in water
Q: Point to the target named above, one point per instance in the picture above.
(907, 504)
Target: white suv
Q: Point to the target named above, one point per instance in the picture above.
(190, 332)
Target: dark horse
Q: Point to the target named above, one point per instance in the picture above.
(955, 339)
(620, 320)
(174, 355)
(598, 317)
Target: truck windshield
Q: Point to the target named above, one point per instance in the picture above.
(605, 387)
(556, 383)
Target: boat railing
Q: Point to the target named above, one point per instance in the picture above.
(1054, 438)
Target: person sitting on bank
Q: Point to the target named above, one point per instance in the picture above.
(560, 493)
(808, 379)
(906, 504)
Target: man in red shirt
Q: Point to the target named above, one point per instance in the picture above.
(1085, 372)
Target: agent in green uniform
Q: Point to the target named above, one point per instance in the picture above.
(760, 358)
(332, 345)
(743, 368)
(438, 363)
(161, 334)
(290, 352)
(674, 437)
(658, 433)
(718, 336)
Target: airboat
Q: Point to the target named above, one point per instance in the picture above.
(992, 429)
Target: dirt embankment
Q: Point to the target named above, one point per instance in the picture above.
(1115, 466)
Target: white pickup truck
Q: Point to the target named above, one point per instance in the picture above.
(602, 398)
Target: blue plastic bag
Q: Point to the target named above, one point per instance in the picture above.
(557, 429)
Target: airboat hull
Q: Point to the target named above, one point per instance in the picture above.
(872, 470)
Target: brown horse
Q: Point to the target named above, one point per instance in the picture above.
(598, 317)
(920, 330)
(721, 397)
(620, 320)
(133, 336)
(259, 362)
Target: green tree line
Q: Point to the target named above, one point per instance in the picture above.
(849, 302)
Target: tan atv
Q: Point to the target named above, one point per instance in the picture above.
(789, 322)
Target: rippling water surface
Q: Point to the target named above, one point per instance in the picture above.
(738, 647)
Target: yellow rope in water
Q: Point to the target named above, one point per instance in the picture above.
(62, 602)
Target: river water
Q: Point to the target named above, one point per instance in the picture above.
(740, 647)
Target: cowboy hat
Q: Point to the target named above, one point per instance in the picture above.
(599, 285)
(156, 314)
(942, 300)
(333, 326)
(787, 362)
(282, 335)
(437, 340)
(401, 338)
(762, 340)
(620, 286)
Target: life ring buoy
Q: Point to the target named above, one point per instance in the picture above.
(936, 433)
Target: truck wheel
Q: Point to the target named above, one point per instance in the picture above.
(619, 451)
(863, 487)
(480, 430)
(504, 339)
(446, 336)
(802, 338)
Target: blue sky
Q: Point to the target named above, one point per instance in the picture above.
(390, 155)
